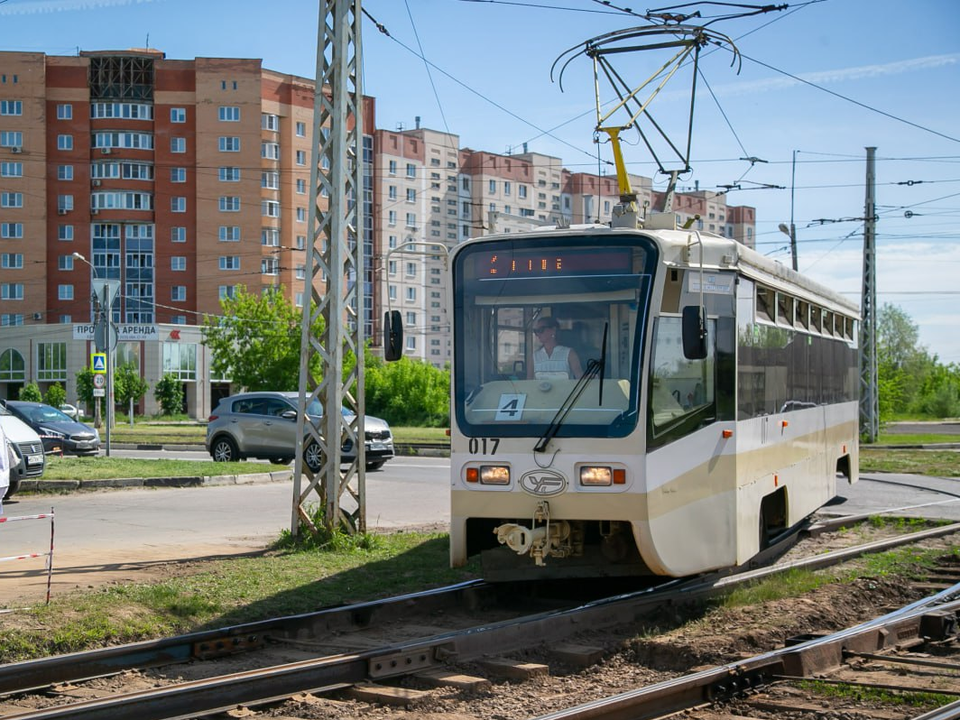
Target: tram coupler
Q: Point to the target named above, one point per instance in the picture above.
(544, 539)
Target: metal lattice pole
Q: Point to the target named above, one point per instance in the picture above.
(335, 264)
(869, 394)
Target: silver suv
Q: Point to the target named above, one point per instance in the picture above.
(264, 425)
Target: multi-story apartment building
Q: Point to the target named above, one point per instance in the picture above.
(178, 180)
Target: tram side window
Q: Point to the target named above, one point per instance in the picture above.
(679, 387)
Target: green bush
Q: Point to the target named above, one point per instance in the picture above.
(56, 395)
(408, 392)
(30, 393)
(169, 393)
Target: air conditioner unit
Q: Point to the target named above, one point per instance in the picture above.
(61, 211)
(94, 211)
(106, 151)
(16, 149)
(95, 183)
(38, 316)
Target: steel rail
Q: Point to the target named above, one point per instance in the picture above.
(685, 692)
(34, 674)
(328, 673)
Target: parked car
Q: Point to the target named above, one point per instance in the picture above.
(27, 447)
(71, 411)
(58, 431)
(264, 425)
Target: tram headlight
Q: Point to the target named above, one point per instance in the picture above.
(494, 474)
(602, 476)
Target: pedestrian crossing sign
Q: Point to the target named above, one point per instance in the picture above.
(98, 362)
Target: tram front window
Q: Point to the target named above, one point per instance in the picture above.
(528, 324)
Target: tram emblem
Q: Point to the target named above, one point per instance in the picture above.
(543, 483)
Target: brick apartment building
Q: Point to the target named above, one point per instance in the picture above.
(183, 180)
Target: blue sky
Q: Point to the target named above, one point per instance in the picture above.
(887, 74)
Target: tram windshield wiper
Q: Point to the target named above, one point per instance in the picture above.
(594, 368)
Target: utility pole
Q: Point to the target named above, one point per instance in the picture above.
(793, 228)
(336, 259)
(869, 400)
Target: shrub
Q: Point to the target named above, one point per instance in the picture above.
(30, 393)
(169, 393)
(56, 395)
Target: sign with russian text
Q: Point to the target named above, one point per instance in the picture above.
(125, 332)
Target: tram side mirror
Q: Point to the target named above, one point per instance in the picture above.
(694, 333)
(392, 335)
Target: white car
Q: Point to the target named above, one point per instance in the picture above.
(71, 411)
(28, 448)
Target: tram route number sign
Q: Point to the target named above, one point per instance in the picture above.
(510, 407)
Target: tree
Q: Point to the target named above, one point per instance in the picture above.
(408, 392)
(169, 393)
(85, 386)
(128, 385)
(256, 342)
(30, 393)
(56, 395)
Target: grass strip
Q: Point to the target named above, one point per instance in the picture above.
(938, 463)
(227, 592)
(110, 468)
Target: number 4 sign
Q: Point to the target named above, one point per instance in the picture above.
(510, 407)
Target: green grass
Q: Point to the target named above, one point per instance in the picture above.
(939, 463)
(916, 439)
(854, 693)
(104, 468)
(232, 591)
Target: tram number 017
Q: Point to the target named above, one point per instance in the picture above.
(483, 446)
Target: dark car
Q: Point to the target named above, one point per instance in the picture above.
(264, 424)
(58, 432)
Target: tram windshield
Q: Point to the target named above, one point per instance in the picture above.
(531, 315)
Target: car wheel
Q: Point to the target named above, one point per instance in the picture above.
(224, 450)
(375, 465)
(313, 456)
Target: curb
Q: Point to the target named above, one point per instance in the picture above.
(159, 482)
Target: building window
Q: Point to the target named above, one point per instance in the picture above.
(229, 262)
(5, 320)
(228, 113)
(178, 145)
(411, 294)
(521, 191)
(65, 233)
(270, 237)
(11, 169)
(411, 195)
(411, 269)
(11, 231)
(178, 263)
(270, 150)
(180, 360)
(270, 180)
(301, 186)
(229, 144)
(411, 342)
(178, 204)
(411, 318)
(65, 292)
(178, 175)
(229, 174)
(411, 170)
(178, 293)
(301, 242)
(64, 142)
(269, 266)
(178, 234)
(11, 107)
(391, 217)
(301, 129)
(178, 115)
(301, 157)
(227, 291)
(64, 172)
(230, 203)
(179, 320)
(411, 220)
(65, 262)
(270, 208)
(52, 361)
(64, 202)
(392, 267)
(10, 138)
(269, 122)
(229, 233)
(301, 214)
(11, 291)
(11, 261)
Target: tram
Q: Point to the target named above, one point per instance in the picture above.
(709, 400)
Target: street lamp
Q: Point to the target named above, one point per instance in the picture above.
(790, 232)
(104, 312)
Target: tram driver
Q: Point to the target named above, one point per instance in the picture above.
(552, 360)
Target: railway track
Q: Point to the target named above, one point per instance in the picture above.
(368, 647)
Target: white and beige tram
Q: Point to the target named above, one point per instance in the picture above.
(664, 454)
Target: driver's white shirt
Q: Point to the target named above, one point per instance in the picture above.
(556, 365)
